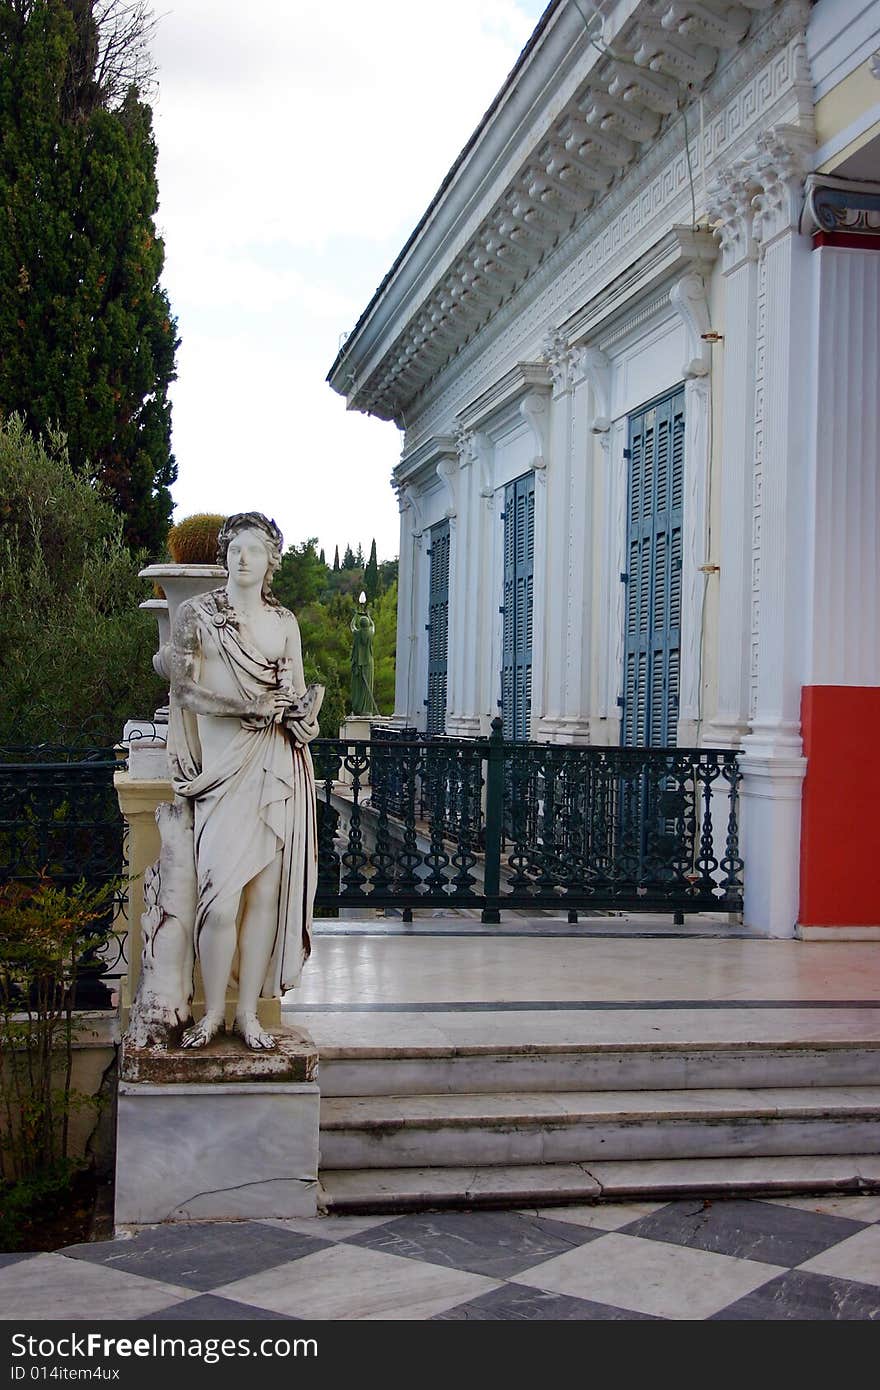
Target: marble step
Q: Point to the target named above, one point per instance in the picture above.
(528, 1127)
(666, 1066)
(382, 1190)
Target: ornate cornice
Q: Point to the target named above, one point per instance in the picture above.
(681, 250)
(510, 390)
(420, 466)
(588, 148)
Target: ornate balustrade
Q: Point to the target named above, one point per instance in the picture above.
(59, 820)
(489, 824)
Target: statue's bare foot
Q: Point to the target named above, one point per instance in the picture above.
(202, 1032)
(248, 1028)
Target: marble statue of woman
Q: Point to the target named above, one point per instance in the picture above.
(362, 701)
(240, 723)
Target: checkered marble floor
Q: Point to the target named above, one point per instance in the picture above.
(803, 1259)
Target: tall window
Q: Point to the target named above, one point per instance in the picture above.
(438, 628)
(652, 636)
(516, 643)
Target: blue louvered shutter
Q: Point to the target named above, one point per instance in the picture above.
(438, 628)
(652, 635)
(519, 573)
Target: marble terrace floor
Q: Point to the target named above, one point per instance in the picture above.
(446, 979)
(449, 980)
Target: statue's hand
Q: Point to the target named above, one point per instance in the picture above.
(266, 709)
(302, 730)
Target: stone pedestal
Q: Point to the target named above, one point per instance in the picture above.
(218, 1134)
(354, 726)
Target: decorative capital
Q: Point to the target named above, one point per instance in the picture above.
(559, 359)
(594, 366)
(464, 444)
(730, 209)
(535, 410)
(689, 300)
(778, 170)
(447, 472)
(412, 504)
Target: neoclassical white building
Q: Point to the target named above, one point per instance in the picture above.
(633, 347)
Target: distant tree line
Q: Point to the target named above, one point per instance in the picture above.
(325, 598)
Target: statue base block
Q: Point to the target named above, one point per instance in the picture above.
(220, 1133)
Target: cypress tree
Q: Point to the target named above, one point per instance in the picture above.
(371, 575)
(87, 339)
(348, 558)
(336, 560)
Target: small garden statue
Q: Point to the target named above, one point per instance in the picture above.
(362, 701)
(235, 881)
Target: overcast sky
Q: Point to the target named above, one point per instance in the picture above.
(298, 145)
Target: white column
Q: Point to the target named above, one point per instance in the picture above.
(447, 472)
(487, 590)
(405, 613)
(604, 540)
(689, 297)
(552, 550)
(535, 410)
(773, 765)
(732, 210)
(412, 616)
(580, 559)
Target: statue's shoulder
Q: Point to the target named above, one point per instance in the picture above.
(287, 616)
(210, 607)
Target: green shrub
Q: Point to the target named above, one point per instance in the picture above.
(75, 651)
(45, 932)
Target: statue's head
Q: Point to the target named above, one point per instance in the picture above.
(364, 621)
(253, 542)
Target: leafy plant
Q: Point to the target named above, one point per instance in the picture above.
(75, 651)
(45, 932)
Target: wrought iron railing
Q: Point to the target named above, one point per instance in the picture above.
(59, 820)
(411, 821)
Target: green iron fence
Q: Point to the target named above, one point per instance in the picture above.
(424, 822)
(59, 819)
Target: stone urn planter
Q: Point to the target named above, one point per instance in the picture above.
(179, 582)
(145, 738)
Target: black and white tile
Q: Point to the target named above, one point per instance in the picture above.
(803, 1258)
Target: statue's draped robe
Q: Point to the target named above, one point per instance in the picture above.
(362, 699)
(255, 803)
